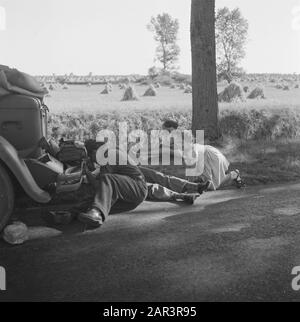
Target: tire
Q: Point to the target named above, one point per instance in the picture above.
(7, 198)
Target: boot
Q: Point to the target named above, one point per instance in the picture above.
(93, 218)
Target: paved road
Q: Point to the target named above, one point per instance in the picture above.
(232, 245)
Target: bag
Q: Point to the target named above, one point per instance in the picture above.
(23, 123)
(13, 81)
(71, 152)
(16, 233)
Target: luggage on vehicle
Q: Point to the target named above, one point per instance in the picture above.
(71, 152)
(23, 123)
(12, 81)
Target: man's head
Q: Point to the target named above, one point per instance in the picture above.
(170, 125)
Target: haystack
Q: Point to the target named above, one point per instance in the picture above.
(130, 94)
(258, 93)
(233, 92)
(188, 90)
(105, 91)
(150, 91)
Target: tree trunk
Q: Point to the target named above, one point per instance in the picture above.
(205, 96)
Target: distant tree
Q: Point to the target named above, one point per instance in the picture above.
(165, 30)
(204, 78)
(231, 36)
(153, 72)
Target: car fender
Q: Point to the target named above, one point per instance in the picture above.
(10, 157)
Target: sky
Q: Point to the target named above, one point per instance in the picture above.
(108, 37)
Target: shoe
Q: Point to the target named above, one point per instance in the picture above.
(92, 218)
(239, 182)
(190, 198)
(202, 187)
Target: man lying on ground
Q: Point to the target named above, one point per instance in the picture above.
(122, 188)
(216, 165)
(161, 187)
(118, 186)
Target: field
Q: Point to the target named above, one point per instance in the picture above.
(260, 137)
(80, 98)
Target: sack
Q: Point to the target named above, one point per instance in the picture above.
(13, 81)
(71, 152)
(16, 233)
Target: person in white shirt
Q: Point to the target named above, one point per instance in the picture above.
(213, 164)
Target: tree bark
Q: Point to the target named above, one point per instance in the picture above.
(204, 78)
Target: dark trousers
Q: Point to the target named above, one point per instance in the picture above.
(120, 189)
(172, 183)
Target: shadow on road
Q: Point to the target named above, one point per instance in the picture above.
(231, 245)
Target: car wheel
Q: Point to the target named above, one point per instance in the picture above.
(7, 197)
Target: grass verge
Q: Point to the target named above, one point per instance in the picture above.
(263, 143)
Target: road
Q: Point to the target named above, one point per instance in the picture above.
(234, 245)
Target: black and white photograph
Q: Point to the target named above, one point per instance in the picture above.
(149, 154)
